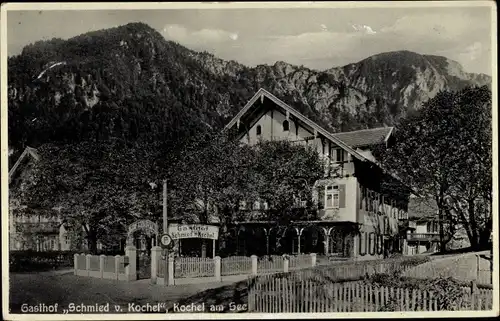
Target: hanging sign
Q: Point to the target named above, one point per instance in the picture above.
(196, 231)
(147, 226)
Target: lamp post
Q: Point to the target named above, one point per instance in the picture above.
(165, 229)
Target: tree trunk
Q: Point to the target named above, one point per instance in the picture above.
(92, 242)
(442, 243)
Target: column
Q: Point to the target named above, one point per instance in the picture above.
(299, 234)
(254, 264)
(131, 268)
(286, 263)
(171, 280)
(75, 263)
(313, 259)
(217, 262)
(155, 258)
(102, 257)
(87, 264)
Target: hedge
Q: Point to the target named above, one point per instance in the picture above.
(31, 261)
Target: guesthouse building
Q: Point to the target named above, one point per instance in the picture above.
(359, 203)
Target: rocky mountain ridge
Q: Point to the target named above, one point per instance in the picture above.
(130, 83)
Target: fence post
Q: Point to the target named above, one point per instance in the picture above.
(254, 264)
(155, 257)
(171, 280)
(102, 257)
(286, 263)
(313, 259)
(75, 263)
(87, 264)
(473, 292)
(131, 268)
(217, 262)
(117, 266)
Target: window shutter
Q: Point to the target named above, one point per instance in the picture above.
(321, 197)
(342, 196)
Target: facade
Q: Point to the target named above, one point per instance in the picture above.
(29, 229)
(421, 230)
(360, 204)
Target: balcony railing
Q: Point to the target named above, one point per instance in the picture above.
(425, 237)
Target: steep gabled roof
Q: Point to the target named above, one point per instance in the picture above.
(261, 93)
(365, 137)
(264, 93)
(28, 152)
(422, 208)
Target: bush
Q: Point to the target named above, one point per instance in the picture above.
(447, 291)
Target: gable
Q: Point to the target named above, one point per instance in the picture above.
(22, 162)
(264, 101)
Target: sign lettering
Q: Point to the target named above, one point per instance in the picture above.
(198, 231)
(143, 225)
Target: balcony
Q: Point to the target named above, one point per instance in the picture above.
(423, 237)
(333, 169)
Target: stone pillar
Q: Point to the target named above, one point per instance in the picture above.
(286, 264)
(313, 259)
(254, 264)
(217, 262)
(102, 257)
(131, 268)
(155, 258)
(171, 280)
(87, 264)
(75, 263)
(117, 266)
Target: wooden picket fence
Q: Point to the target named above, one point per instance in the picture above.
(299, 261)
(349, 270)
(281, 294)
(194, 267)
(270, 264)
(236, 265)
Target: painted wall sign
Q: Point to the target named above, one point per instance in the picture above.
(188, 231)
(143, 225)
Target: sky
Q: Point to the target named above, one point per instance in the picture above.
(316, 38)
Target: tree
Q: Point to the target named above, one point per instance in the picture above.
(215, 174)
(99, 187)
(444, 152)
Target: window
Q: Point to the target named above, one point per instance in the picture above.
(338, 155)
(432, 227)
(332, 197)
(258, 130)
(286, 126)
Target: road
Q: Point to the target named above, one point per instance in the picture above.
(65, 288)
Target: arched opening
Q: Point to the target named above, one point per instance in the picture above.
(312, 240)
(286, 126)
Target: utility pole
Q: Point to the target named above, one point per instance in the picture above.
(165, 229)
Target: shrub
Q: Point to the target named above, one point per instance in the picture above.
(447, 291)
(25, 261)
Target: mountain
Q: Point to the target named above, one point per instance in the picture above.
(130, 83)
